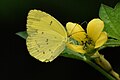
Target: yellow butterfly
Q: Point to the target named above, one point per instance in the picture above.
(46, 36)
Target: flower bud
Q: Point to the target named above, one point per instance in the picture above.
(100, 60)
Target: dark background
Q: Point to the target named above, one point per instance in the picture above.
(17, 64)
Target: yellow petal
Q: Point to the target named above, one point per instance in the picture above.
(80, 36)
(101, 40)
(76, 48)
(94, 28)
(75, 31)
(73, 28)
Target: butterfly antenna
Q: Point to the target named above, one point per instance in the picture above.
(84, 22)
(72, 30)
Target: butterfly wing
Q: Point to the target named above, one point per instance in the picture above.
(42, 21)
(46, 36)
(45, 46)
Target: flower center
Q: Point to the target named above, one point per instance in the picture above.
(88, 45)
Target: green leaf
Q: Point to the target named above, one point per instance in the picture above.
(22, 34)
(111, 18)
(112, 43)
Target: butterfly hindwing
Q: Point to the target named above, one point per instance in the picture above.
(45, 45)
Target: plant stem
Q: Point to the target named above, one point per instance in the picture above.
(99, 69)
(71, 54)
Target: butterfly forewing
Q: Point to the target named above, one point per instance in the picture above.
(42, 21)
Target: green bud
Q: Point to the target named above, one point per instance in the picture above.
(100, 60)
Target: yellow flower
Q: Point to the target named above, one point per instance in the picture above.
(90, 41)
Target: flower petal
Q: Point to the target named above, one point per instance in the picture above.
(76, 48)
(73, 28)
(101, 40)
(94, 28)
(75, 31)
(80, 36)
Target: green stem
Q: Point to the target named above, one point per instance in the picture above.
(99, 69)
(70, 54)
